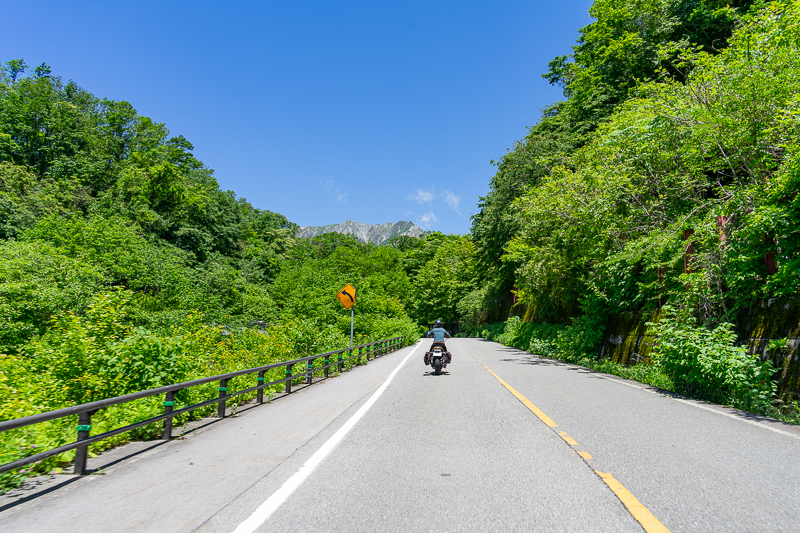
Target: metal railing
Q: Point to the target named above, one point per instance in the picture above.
(87, 410)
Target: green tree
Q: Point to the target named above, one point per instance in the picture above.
(37, 282)
(444, 281)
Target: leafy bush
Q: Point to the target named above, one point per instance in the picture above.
(582, 338)
(689, 359)
(706, 362)
(38, 282)
(540, 339)
(472, 308)
(509, 335)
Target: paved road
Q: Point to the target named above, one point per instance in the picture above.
(457, 452)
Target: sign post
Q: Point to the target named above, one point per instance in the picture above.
(347, 296)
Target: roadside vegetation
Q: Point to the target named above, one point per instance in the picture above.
(668, 175)
(690, 360)
(124, 266)
(665, 184)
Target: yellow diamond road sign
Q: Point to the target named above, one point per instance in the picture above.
(347, 296)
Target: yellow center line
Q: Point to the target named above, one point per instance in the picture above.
(538, 412)
(649, 522)
(567, 438)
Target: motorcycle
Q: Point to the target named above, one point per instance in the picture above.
(437, 358)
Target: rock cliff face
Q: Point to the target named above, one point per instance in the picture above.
(374, 233)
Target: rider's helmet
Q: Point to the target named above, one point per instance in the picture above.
(437, 324)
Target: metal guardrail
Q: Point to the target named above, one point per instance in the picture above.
(86, 410)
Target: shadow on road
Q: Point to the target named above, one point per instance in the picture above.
(532, 360)
(527, 358)
(41, 486)
(32, 490)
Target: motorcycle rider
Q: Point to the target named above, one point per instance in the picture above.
(439, 333)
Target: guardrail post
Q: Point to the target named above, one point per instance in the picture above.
(369, 349)
(359, 355)
(327, 362)
(223, 391)
(340, 359)
(82, 452)
(309, 371)
(169, 404)
(260, 393)
(289, 380)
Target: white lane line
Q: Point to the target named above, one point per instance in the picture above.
(707, 408)
(272, 503)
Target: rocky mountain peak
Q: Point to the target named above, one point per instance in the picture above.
(374, 233)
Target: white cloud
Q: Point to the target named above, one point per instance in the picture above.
(428, 219)
(426, 197)
(333, 190)
(452, 200)
(420, 196)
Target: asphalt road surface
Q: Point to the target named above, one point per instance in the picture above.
(501, 441)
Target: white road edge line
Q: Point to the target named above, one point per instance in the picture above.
(272, 503)
(701, 406)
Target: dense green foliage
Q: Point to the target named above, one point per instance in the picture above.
(680, 157)
(705, 362)
(596, 219)
(669, 173)
(629, 44)
(124, 266)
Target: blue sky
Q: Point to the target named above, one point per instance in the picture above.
(321, 111)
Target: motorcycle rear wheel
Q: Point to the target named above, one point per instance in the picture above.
(437, 367)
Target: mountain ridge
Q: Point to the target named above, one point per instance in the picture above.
(374, 233)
